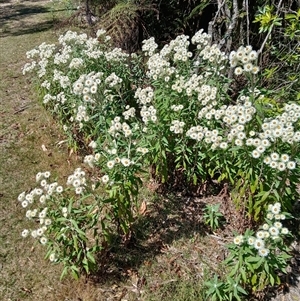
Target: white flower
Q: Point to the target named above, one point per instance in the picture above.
(265, 227)
(251, 240)
(125, 161)
(59, 189)
(24, 204)
(284, 230)
(105, 179)
(238, 240)
(25, 233)
(260, 234)
(263, 252)
(274, 231)
(281, 166)
(278, 225)
(47, 221)
(52, 257)
(276, 208)
(43, 240)
(110, 164)
(291, 165)
(238, 71)
(285, 158)
(274, 156)
(259, 244)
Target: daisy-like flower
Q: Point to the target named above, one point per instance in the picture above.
(105, 179)
(270, 215)
(43, 240)
(284, 230)
(276, 208)
(278, 225)
(238, 240)
(285, 158)
(40, 232)
(274, 231)
(259, 244)
(265, 227)
(291, 165)
(59, 189)
(267, 160)
(78, 190)
(251, 241)
(238, 71)
(273, 164)
(260, 234)
(47, 174)
(47, 221)
(256, 154)
(110, 164)
(25, 233)
(281, 166)
(24, 204)
(52, 257)
(274, 156)
(255, 69)
(263, 252)
(125, 161)
(248, 67)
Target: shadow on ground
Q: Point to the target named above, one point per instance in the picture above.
(20, 19)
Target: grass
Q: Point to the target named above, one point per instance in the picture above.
(173, 253)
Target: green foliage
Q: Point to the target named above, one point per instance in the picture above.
(212, 216)
(172, 111)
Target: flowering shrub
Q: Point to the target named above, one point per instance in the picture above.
(172, 109)
(255, 258)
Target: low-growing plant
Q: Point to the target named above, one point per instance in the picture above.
(78, 222)
(212, 216)
(255, 259)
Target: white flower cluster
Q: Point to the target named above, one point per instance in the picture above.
(91, 159)
(201, 39)
(63, 56)
(117, 127)
(77, 180)
(40, 194)
(113, 80)
(243, 59)
(87, 85)
(130, 112)
(149, 46)
(74, 37)
(144, 96)
(213, 54)
(116, 55)
(270, 231)
(76, 63)
(177, 126)
(148, 114)
(282, 127)
(46, 84)
(124, 161)
(206, 93)
(142, 150)
(82, 114)
(48, 97)
(63, 80)
(176, 108)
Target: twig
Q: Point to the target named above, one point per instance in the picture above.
(269, 32)
(231, 26)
